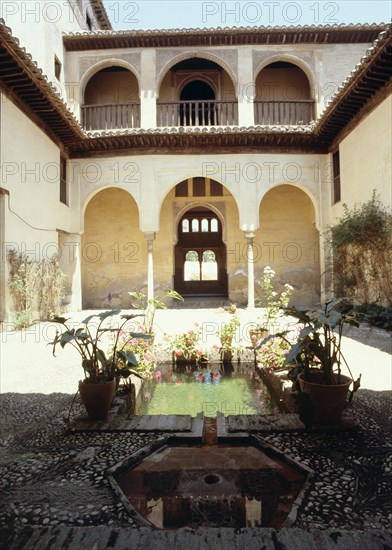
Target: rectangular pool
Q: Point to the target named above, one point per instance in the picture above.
(208, 389)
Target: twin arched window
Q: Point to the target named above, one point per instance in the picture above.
(200, 266)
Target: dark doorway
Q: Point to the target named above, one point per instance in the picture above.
(200, 255)
(197, 107)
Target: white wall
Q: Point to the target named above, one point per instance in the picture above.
(39, 25)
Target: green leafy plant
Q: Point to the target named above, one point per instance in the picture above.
(21, 283)
(97, 363)
(319, 342)
(151, 305)
(271, 356)
(361, 245)
(31, 283)
(227, 331)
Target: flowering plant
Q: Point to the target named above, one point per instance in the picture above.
(142, 349)
(186, 344)
(226, 331)
(272, 354)
(272, 301)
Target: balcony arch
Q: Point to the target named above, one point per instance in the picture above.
(111, 98)
(213, 99)
(284, 92)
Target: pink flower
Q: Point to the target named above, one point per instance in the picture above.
(178, 353)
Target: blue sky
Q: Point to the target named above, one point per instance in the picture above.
(153, 14)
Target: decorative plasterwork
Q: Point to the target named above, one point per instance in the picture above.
(228, 57)
(133, 59)
(259, 57)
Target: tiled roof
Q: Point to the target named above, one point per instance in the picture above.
(227, 36)
(24, 80)
(372, 73)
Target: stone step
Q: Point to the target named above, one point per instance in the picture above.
(201, 302)
(102, 537)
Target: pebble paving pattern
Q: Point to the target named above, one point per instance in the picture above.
(51, 477)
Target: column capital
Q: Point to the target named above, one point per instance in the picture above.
(149, 235)
(249, 234)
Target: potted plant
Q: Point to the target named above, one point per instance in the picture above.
(227, 331)
(185, 347)
(100, 367)
(272, 302)
(319, 357)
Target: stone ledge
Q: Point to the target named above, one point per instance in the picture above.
(74, 538)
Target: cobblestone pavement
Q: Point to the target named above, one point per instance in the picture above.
(53, 483)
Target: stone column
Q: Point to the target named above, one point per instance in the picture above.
(70, 252)
(150, 265)
(250, 235)
(246, 88)
(148, 92)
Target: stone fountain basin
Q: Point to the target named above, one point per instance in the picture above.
(237, 484)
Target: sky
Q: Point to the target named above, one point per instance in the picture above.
(169, 14)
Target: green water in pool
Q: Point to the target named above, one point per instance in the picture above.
(205, 390)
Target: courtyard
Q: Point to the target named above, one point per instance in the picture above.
(55, 491)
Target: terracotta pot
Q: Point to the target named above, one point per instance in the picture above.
(329, 401)
(226, 342)
(256, 335)
(97, 398)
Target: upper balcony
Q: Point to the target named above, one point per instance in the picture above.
(283, 96)
(196, 92)
(111, 100)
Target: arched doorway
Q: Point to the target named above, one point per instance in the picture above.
(200, 255)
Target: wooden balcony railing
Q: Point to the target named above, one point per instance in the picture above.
(284, 112)
(111, 116)
(197, 113)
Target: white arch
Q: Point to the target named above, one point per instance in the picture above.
(313, 200)
(294, 61)
(95, 192)
(112, 62)
(201, 55)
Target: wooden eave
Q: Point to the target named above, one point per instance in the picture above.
(334, 34)
(23, 81)
(370, 78)
(101, 14)
(185, 141)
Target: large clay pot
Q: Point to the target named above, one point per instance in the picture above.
(329, 401)
(97, 398)
(226, 341)
(257, 335)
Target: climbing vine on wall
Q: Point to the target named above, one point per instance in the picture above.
(362, 253)
(35, 285)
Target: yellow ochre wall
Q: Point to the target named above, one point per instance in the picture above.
(114, 251)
